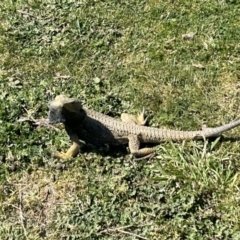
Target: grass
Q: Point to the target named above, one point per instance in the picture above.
(178, 59)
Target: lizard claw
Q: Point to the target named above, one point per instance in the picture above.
(148, 157)
(140, 118)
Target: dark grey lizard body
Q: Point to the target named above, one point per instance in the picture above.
(99, 129)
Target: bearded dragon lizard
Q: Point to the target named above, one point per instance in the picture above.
(99, 129)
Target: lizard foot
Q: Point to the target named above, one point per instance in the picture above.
(71, 152)
(139, 119)
(64, 156)
(148, 157)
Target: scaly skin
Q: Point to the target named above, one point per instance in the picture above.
(99, 129)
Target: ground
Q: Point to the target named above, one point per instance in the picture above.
(178, 59)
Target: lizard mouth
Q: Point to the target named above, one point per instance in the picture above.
(61, 120)
(53, 119)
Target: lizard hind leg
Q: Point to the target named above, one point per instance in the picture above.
(139, 119)
(139, 154)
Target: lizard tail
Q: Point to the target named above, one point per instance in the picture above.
(212, 132)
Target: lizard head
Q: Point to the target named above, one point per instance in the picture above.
(66, 110)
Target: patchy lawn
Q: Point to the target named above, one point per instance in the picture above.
(178, 59)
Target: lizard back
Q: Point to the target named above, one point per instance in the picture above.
(120, 130)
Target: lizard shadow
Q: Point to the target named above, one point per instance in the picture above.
(227, 139)
(118, 151)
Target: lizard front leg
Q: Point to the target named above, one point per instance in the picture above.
(73, 150)
(139, 154)
(139, 119)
